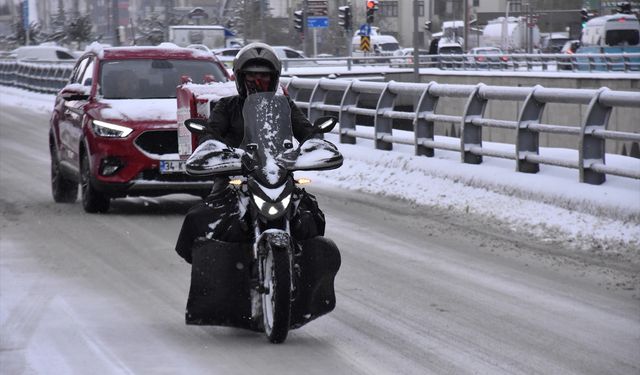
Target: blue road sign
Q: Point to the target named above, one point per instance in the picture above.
(317, 22)
(365, 30)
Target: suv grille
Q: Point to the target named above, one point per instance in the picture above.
(158, 142)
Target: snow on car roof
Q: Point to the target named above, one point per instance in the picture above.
(162, 50)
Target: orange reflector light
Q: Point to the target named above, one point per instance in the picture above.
(303, 181)
(235, 182)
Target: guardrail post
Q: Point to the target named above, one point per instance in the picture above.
(424, 129)
(318, 96)
(383, 125)
(348, 120)
(592, 149)
(470, 134)
(527, 141)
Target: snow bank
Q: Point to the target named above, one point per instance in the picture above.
(550, 205)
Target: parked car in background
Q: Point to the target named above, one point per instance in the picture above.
(447, 55)
(404, 57)
(226, 55)
(284, 52)
(45, 52)
(488, 57)
(114, 127)
(553, 42)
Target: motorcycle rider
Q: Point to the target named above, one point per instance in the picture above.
(257, 69)
(215, 234)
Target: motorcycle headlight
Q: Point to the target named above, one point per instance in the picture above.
(272, 210)
(109, 130)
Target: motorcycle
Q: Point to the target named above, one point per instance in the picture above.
(286, 282)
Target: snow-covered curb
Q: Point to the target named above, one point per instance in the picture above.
(550, 206)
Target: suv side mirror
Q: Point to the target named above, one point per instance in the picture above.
(74, 92)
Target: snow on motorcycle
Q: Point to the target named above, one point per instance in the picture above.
(282, 276)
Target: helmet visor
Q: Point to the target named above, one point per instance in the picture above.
(258, 68)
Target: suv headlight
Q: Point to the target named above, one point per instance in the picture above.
(106, 129)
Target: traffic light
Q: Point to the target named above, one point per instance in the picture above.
(298, 20)
(427, 25)
(372, 6)
(344, 13)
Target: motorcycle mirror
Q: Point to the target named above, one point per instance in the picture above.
(196, 125)
(325, 124)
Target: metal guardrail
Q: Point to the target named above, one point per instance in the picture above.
(617, 62)
(592, 133)
(43, 76)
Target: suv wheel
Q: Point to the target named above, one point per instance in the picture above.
(92, 200)
(63, 189)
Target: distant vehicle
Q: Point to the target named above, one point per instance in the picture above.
(114, 127)
(44, 53)
(226, 55)
(201, 47)
(212, 36)
(404, 57)
(381, 45)
(447, 55)
(450, 49)
(510, 34)
(553, 42)
(616, 30)
(488, 57)
(284, 52)
(616, 33)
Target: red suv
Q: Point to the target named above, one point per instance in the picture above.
(114, 126)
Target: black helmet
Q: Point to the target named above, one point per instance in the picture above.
(256, 57)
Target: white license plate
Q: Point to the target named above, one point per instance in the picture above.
(172, 166)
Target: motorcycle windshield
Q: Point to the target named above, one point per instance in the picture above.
(267, 124)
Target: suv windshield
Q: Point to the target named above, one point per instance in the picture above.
(146, 78)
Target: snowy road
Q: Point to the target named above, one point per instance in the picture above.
(418, 292)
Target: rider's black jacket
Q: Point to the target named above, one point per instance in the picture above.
(226, 123)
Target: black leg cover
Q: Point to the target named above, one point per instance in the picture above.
(220, 278)
(319, 263)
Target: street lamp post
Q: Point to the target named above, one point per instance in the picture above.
(416, 50)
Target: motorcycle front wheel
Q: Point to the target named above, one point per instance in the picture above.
(276, 301)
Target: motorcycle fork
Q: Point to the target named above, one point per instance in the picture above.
(263, 243)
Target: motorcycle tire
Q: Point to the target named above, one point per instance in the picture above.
(92, 200)
(276, 301)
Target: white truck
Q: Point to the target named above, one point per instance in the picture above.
(381, 45)
(511, 34)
